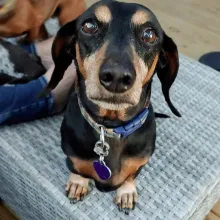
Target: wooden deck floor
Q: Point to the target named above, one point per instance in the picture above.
(6, 214)
(195, 27)
(193, 24)
(215, 213)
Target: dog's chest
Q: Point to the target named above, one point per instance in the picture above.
(121, 165)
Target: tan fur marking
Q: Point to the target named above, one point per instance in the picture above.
(113, 114)
(122, 115)
(96, 92)
(128, 169)
(103, 14)
(77, 187)
(112, 106)
(102, 112)
(80, 62)
(84, 167)
(144, 72)
(140, 17)
(126, 195)
(151, 71)
(140, 67)
(76, 179)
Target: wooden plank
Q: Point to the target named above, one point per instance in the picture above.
(5, 214)
(212, 216)
(194, 25)
(193, 36)
(216, 209)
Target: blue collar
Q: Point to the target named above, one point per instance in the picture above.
(119, 132)
(133, 124)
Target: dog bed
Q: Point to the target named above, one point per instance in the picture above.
(182, 180)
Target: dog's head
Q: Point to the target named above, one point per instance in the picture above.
(117, 48)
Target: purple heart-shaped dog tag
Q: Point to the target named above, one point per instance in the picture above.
(102, 170)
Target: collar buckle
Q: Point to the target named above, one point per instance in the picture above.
(133, 125)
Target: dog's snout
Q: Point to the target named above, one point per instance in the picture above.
(116, 79)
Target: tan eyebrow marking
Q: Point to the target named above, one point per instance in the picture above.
(103, 14)
(140, 17)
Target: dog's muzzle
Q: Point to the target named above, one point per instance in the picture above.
(115, 77)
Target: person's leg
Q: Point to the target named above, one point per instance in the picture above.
(60, 93)
(20, 102)
(43, 49)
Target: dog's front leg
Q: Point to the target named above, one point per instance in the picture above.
(126, 196)
(77, 188)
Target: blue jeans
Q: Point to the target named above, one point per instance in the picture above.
(19, 103)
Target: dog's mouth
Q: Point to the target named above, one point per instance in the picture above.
(111, 103)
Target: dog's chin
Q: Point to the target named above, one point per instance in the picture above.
(108, 105)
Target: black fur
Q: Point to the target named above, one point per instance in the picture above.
(78, 137)
(27, 64)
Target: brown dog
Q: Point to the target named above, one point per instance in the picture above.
(19, 17)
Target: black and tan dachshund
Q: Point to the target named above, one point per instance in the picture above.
(109, 130)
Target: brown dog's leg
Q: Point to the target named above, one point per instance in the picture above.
(70, 10)
(77, 188)
(126, 196)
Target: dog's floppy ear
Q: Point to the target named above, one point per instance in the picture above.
(63, 52)
(167, 69)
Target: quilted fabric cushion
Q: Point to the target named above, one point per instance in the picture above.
(182, 180)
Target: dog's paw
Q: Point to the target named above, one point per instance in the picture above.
(77, 188)
(126, 197)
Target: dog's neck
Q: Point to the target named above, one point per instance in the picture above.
(110, 118)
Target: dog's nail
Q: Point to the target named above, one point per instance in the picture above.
(67, 193)
(127, 211)
(134, 205)
(75, 201)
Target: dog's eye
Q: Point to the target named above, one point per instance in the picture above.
(149, 35)
(89, 27)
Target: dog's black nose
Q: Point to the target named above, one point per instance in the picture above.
(116, 79)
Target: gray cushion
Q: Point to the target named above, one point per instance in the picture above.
(182, 180)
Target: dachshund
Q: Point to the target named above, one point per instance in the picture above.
(108, 132)
(20, 17)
